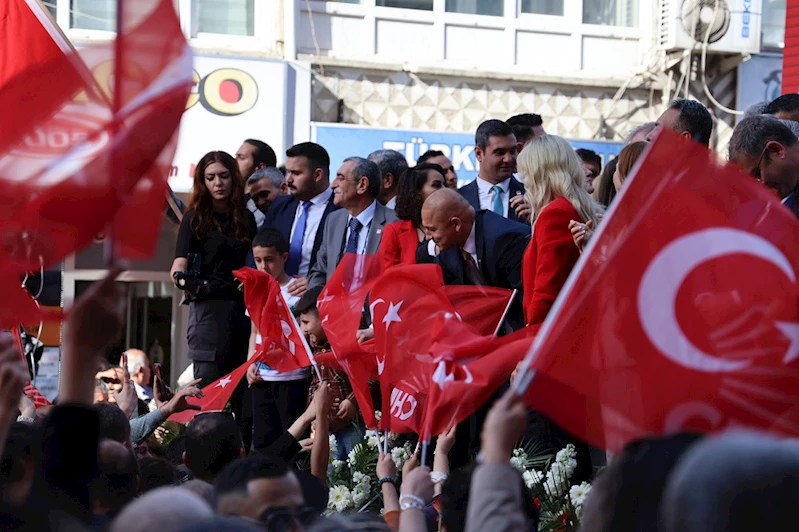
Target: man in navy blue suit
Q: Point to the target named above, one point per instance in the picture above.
(477, 248)
(495, 189)
(301, 215)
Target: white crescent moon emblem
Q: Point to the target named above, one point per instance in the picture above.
(657, 293)
(380, 363)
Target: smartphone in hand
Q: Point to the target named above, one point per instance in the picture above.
(163, 389)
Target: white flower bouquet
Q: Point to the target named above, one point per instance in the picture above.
(559, 503)
(353, 483)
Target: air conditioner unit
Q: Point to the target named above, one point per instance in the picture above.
(734, 25)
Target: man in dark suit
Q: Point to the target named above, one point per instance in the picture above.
(767, 149)
(358, 226)
(495, 189)
(477, 248)
(301, 215)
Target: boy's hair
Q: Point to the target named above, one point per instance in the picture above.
(269, 237)
(307, 302)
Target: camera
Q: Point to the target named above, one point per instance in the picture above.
(191, 281)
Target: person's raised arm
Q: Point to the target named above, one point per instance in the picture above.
(320, 453)
(13, 376)
(441, 458)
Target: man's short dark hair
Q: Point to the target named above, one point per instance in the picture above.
(589, 156)
(116, 481)
(429, 154)
(752, 134)
(155, 473)
(22, 445)
(787, 103)
(523, 125)
(263, 154)
(369, 170)
(173, 452)
(307, 302)
(114, 424)
(235, 476)
(694, 118)
(488, 129)
(389, 162)
(212, 442)
(269, 237)
(317, 156)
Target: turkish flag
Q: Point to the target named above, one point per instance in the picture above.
(409, 308)
(682, 312)
(341, 305)
(216, 395)
(479, 306)
(75, 147)
(283, 346)
(469, 368)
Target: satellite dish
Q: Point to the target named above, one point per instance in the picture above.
(699, 15)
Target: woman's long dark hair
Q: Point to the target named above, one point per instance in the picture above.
(202, 203)
(409, 200)
(607, 190)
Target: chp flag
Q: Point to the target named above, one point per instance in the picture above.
(682, 312)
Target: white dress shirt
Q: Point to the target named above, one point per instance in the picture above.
(392, 203)
(363, 233)
(259, 216)
(470, 246)
(315, 212)
(487, 196)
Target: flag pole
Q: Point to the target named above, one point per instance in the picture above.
(304, 341)
(424, 452)
(505, 312)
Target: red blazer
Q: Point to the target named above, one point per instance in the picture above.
(549, 259)
(399, 244)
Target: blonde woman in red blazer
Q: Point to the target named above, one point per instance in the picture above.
(402, 239)
(555, 188)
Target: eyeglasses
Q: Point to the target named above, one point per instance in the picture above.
(755, 171)
(279, 519)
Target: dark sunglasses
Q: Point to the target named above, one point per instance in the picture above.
(279, 519)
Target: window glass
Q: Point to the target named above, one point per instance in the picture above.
(227, 17)
(477, 7)
(426, 5)
(93, 14)
(543, 7)
(773, 24)
(611, 12)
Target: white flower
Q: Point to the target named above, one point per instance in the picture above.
(351, 458)
(359, 497)
(517, 462)
(532, 477)
(577, 494)
(557, 480)
(400, 455)
(337, 465)
(378, 415)
(339, 498)
(566, 453)
(372, 438)
(362, 482)
(333, 445)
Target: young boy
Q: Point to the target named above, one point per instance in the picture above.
(345, 412)
(278, 399)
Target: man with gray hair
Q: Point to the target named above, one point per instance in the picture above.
(358, 226)
(392, 164)
(769, 151)
(266, 184)
(640, 133)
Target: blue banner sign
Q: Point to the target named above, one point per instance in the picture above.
(342, 141)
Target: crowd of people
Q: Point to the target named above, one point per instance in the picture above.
(95, 460)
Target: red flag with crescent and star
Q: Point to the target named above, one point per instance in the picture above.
(682, 312)
(282, 345)
(216, 395)
(341, 305)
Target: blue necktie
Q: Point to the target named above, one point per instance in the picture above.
(498, 207)
(295, 247)
(352, 240)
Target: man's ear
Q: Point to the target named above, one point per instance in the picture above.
(478, 153)
(388, 180)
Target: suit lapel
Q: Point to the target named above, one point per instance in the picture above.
(513, 190)
(479, 244)
(376, 229)
(338, 238)
(472, 194)
(287, 217)
(320, 232)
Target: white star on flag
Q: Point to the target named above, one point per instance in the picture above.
(791, 330)
(392, 314)
(224, 382)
